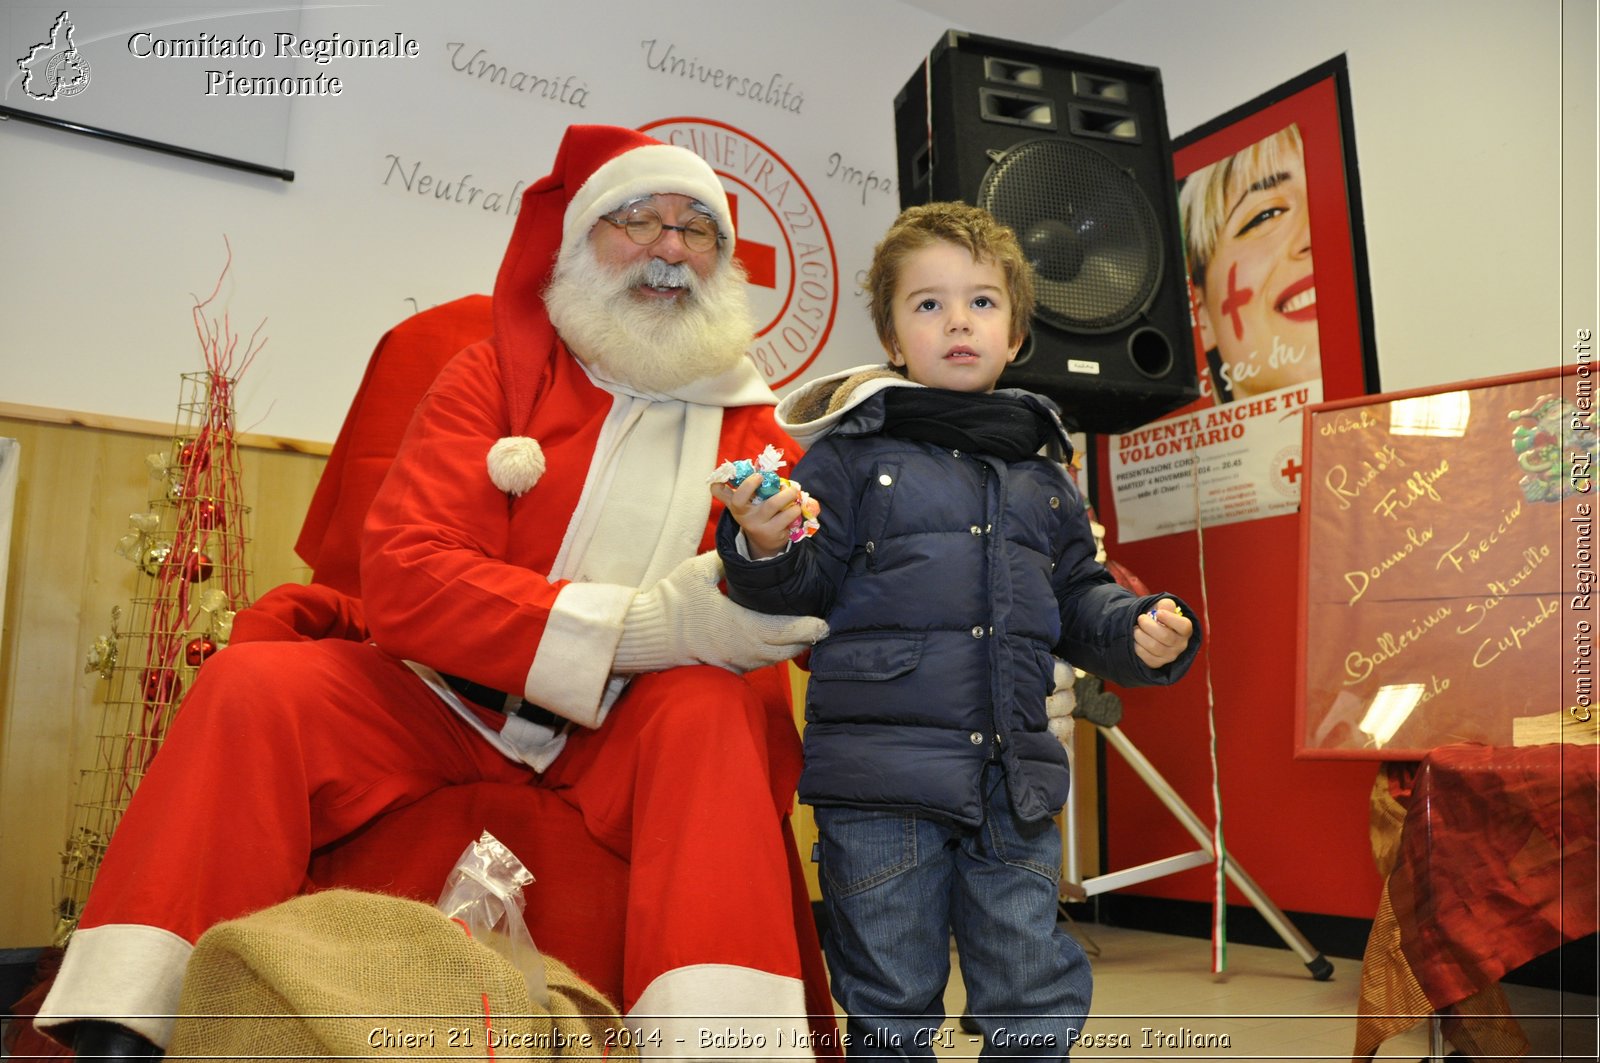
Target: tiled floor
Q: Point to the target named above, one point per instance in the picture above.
(1266, 1006)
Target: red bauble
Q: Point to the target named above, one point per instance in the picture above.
(197, 567)
(161, 686)
(210, 515)
(198, 649)
(192, 454)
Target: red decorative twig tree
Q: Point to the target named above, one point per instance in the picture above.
(188, 549)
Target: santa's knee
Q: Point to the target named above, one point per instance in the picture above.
(251, 688)
(701, 702)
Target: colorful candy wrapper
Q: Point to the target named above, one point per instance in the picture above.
(766, 466)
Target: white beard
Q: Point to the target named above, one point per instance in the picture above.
(652, 346)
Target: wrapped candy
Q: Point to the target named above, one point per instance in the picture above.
(809, 520)
(766, 466)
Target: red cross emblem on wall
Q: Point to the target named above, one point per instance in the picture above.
(760, 261)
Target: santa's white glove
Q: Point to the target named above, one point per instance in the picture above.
(685, 619)
(1059, 705)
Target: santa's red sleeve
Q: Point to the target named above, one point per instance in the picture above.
(453, 568)
(448, 577)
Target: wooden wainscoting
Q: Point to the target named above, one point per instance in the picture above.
(81, 477)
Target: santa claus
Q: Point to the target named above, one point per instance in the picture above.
(543, 607)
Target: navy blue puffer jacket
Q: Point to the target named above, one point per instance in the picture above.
(948, 581)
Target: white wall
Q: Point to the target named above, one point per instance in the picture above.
(1481, 259)
(106, 243)
(1458, 105)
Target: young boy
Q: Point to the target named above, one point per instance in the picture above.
(952, 561)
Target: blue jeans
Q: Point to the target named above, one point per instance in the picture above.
(895, 886)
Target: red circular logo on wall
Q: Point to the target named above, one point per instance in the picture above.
(783, 243)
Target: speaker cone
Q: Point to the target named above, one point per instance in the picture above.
(1085, 225)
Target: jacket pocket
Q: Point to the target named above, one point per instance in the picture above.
(871, 657)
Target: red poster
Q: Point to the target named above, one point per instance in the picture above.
(1268, 211)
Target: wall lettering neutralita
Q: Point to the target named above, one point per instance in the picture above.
(410, 175)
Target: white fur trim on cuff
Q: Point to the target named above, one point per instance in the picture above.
(573, 662)
(701, 1011)
(515, 464)
(127, 973)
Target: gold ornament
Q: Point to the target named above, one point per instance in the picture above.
(102, 656)
(155, 555)
(82, 852)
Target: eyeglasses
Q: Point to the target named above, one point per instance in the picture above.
(644, 227)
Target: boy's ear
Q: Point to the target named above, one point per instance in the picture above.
(892, 348)
(1016, 345)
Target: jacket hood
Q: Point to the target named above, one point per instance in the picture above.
(815, 409)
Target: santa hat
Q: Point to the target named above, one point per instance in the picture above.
(597, 170)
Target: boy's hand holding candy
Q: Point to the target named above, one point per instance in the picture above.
(772, 511)
(1161, 635)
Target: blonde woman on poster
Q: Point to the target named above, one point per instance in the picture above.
(1247, 240)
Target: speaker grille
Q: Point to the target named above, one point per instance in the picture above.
(1089, 231)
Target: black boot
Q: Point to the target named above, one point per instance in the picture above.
(95, 1039)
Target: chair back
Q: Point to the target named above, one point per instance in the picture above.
(400, 371)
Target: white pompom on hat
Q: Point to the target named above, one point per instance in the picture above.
(597, 170)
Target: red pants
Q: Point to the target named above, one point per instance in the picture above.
(282, 748)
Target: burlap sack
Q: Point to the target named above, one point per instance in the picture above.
(366, 976)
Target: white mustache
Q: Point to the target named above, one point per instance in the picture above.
(658, 273)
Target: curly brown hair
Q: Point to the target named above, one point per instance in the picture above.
(956, 223)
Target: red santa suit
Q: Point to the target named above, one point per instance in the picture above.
(538, 534)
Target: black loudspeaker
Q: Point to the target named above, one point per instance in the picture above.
(1072, 152)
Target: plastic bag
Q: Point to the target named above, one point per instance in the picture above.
(484, 894)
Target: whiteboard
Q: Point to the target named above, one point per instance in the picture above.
(164, 72)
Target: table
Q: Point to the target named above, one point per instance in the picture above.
(1490, 858)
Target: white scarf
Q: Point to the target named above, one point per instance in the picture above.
(642, 512)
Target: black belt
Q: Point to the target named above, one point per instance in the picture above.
(500, 701)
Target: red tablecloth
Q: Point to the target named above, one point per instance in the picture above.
(1494, 864)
